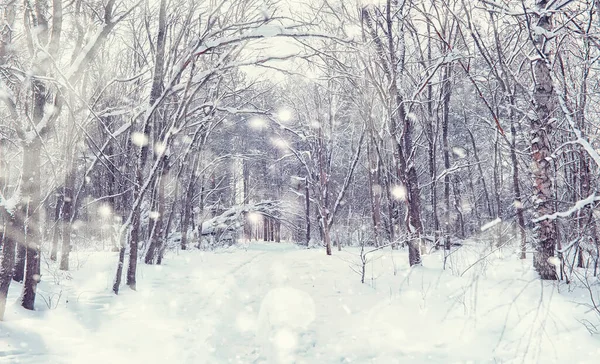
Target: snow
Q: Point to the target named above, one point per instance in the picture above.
(105, 211)
(31, 135)
(268, 31)
(257, 123)
(160, 148)
(277, 303)
(11, 203)
(139, 139)
(459, 152)
(284, 115)
(399, 192)
(491, 224)
(254, 217)
(123, 128)
(79, 62)
(285, 315)
(280, 143)
(581, 140)
(537, 30)
(578, 206)
(230, 217)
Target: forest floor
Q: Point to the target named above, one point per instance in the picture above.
(270, 303)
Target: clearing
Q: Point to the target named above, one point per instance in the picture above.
(279, 303)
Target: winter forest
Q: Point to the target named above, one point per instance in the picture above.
(299, 181)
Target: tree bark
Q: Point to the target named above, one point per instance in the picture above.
(375, 192)
(158, 234)
(30, 209)
(187, 205)
(56, 233)
(541, 128)
(326, 236)
(307, 211)
(19, 269)
(9, 237)
(517, 190)
(67, 215)
(446, 93)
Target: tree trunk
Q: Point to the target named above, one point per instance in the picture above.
(497, 187)
(167, 229)
(517, 189)
(119, 274)
(265, 230)
(446, 93)
(133, 249)
(432, 142)
(158, 234)
(326, 236)
(67, 216)
(10, 238)
(446, 186)
(113, 190)
(30, 209)
(541, 129)
(56, 234)
(307, 210)
(187, 205)
(126, 199)
(457, 206)
(375, 193)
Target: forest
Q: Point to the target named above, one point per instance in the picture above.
(140, 140)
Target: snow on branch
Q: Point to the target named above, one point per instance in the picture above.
(227, 219)
(491, 224)
(10, 205)
(580, 139)
(95, 42)
(579, 205)
(262, 32)
(569, 246)
(451, 170)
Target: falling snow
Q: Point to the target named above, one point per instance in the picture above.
(276, 182)
(399, 192)
(139, 139)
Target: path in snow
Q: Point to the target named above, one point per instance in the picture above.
(277, 303)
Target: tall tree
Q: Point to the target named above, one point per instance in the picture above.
(541, 129)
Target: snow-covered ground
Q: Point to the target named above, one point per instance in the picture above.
(276, 303)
